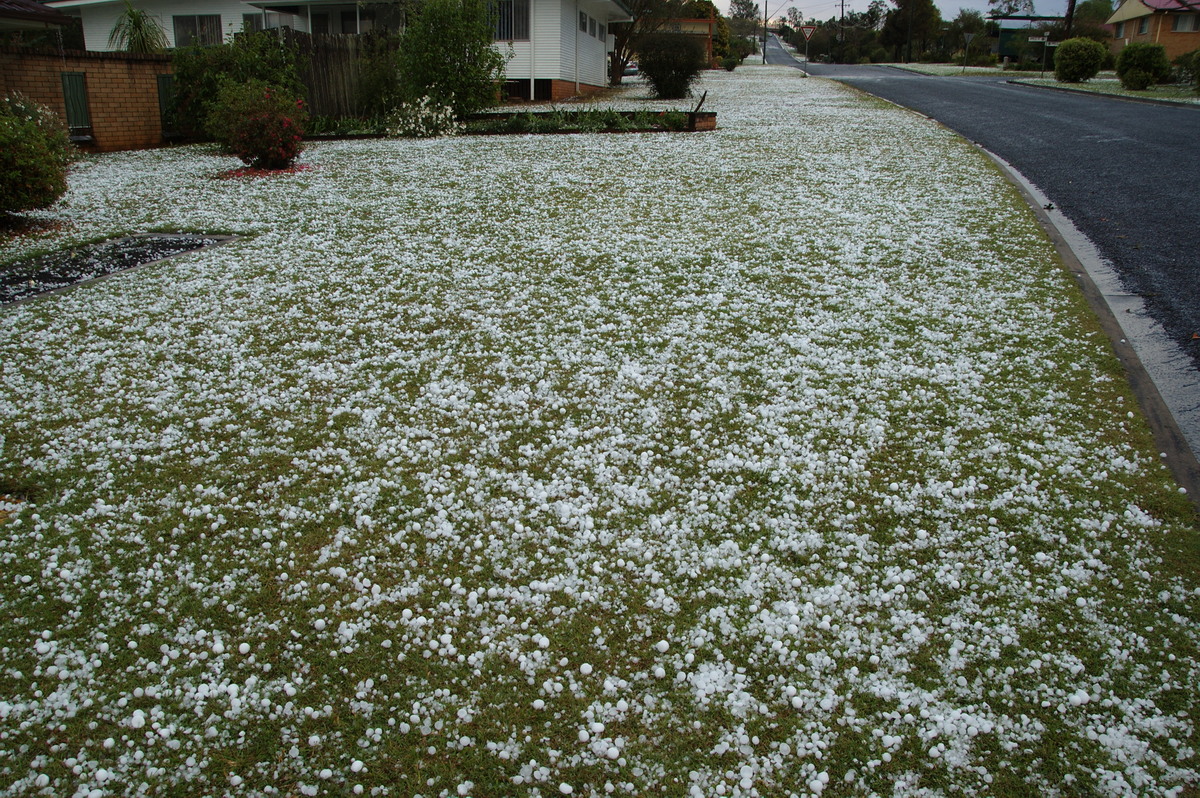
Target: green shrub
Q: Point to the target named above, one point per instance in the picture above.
(378, 63)
(671, 63)
(730, 63)
(34, 154)
(1078, 60)
(1188, 66)
(673, 120)
(1142, 64)
(201, 73)
(259, 123)
(446, 54)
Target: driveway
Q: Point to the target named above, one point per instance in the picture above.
(1125, 173)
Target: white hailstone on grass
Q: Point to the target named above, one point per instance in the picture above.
(244, 649)
(585, 669)
(314, 739)
(566, 789)
(662, 646)
(539, 704)
(218, 647)
(465, 788)
(659, 672)
(235, 780)
(42, 780)
(326, 773)
(319, 624)
(584, 736)
(613, 752)
(356, 766)
(138, 720)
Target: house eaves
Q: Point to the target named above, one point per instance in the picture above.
(31, 13)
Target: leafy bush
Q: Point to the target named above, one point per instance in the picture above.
(259, 123)
(34, 154)
(730, 63)
(1141, 64)
(446, 54)
(671, 63)
(423, 119)
(378, 91)
(202, 72)
(1188, 65)
(1078, 60)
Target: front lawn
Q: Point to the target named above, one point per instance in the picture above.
(782, 459)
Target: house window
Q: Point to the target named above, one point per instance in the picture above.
(603, 33)
(267, 20)
(583, 18)
(591, 27)
(512, 20)
(1143, 26)
(1120, 30)
(320, 23)
(1185, 23)
(201, 29)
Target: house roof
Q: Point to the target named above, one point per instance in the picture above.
(1132, 9)
(29, 13)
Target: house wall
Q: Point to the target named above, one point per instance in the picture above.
(550, 55)
(1159, 32)
(122, 91)
(98, 20)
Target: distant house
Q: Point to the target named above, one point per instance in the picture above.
(701, 31)
(1175, 24)
(558, 48)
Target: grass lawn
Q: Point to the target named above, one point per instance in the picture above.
(783, 459)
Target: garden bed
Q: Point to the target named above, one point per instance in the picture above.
(559, 121)
(57, 270)
(590, 121)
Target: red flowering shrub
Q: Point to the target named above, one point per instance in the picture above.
(259, 123)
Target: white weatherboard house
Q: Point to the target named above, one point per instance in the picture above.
(558, 48)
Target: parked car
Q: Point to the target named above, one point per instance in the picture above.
(631, 68)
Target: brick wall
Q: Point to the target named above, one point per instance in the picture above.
(122, 91)
(1176, 43)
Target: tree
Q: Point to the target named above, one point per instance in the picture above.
(745, 17)
(1079, 59)
(135, 31)
(911, 22)
(446, 54)
(967, 22)
(648, 17)
(1008, 8)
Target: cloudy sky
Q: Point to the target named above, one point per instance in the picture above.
(825, 9)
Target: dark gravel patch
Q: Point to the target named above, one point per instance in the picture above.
(57, 270)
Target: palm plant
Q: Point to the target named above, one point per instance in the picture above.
(136, 31)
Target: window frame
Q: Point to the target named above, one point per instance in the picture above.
(512, 20)
(201, 30)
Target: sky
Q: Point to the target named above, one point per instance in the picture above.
(825, 9)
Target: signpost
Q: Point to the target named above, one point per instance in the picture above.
(808, 31)
(967, 37)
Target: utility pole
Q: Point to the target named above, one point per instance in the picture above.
(842, 32)
(766, 19)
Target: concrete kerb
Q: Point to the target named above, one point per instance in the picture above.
(1169, 437)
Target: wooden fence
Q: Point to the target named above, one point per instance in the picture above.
(329, 66)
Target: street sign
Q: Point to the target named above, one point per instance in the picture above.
(1036, 38)
(808, 31)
